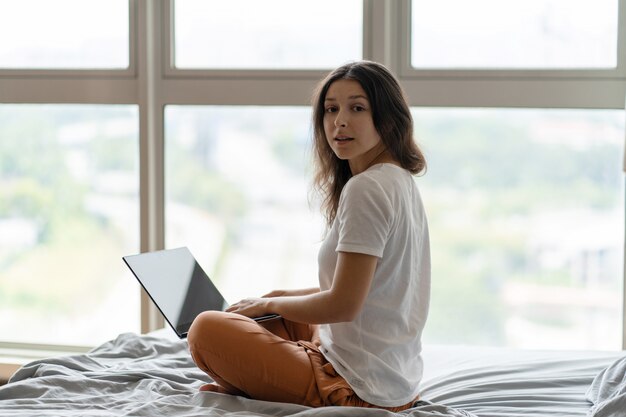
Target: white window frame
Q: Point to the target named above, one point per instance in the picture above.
(537, 88)
(151, 81)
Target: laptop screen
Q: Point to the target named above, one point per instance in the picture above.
(177, 285)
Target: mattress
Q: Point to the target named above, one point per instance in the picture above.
(152, 375)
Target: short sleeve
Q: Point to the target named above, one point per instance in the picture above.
(365, 217)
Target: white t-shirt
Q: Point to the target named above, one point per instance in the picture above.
(380, 213)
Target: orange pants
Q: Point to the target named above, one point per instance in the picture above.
(276, 360)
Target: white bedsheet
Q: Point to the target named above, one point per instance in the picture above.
(500, 382)
(146, 376)
(154, 376)
(608, 391)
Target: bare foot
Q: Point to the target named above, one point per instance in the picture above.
(214, 388)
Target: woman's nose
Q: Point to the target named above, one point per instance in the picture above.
(340, 120)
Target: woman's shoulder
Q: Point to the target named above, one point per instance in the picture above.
(385, 175)
(381, 182)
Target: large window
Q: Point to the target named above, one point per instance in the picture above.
(535, 248)
(187, 122)
(69, 173)
(526, 213)
(68, 212)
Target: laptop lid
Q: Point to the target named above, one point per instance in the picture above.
(178, 286)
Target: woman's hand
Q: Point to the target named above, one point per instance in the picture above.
(250, 307)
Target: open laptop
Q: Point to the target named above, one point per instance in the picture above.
(178, 286)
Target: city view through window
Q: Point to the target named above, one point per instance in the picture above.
(69, 210)
(525, 206)
(525, 209)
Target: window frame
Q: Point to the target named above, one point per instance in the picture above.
(151, 81)
(549, 88)
(618, 72)
(72, 86)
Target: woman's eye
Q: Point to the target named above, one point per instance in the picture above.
(358, 108)
(331, 109)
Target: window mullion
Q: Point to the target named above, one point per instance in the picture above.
(383, 31)
(150, 79)
(621, 38)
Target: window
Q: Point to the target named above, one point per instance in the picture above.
(64, 34)
(273, 34)
(514, 34)
(536, 245)
(186, 122)
(68, 213)
(237, 182)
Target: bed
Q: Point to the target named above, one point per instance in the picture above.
(153, 375)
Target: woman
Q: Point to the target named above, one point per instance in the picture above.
(355, 340)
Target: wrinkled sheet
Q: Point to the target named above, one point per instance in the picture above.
(148, 376)
(501, 382)
(608, 391)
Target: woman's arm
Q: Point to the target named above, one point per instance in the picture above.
(342, 302)
(291, 293)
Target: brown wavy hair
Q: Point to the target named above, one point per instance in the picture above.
(392, 120)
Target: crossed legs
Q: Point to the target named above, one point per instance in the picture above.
(257, 360)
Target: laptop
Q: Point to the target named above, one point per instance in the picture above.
(178, 286)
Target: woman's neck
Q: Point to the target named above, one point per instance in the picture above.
(383, 156)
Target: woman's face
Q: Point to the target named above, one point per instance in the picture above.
(349, 126)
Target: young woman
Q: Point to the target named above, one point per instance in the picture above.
(355, 340)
